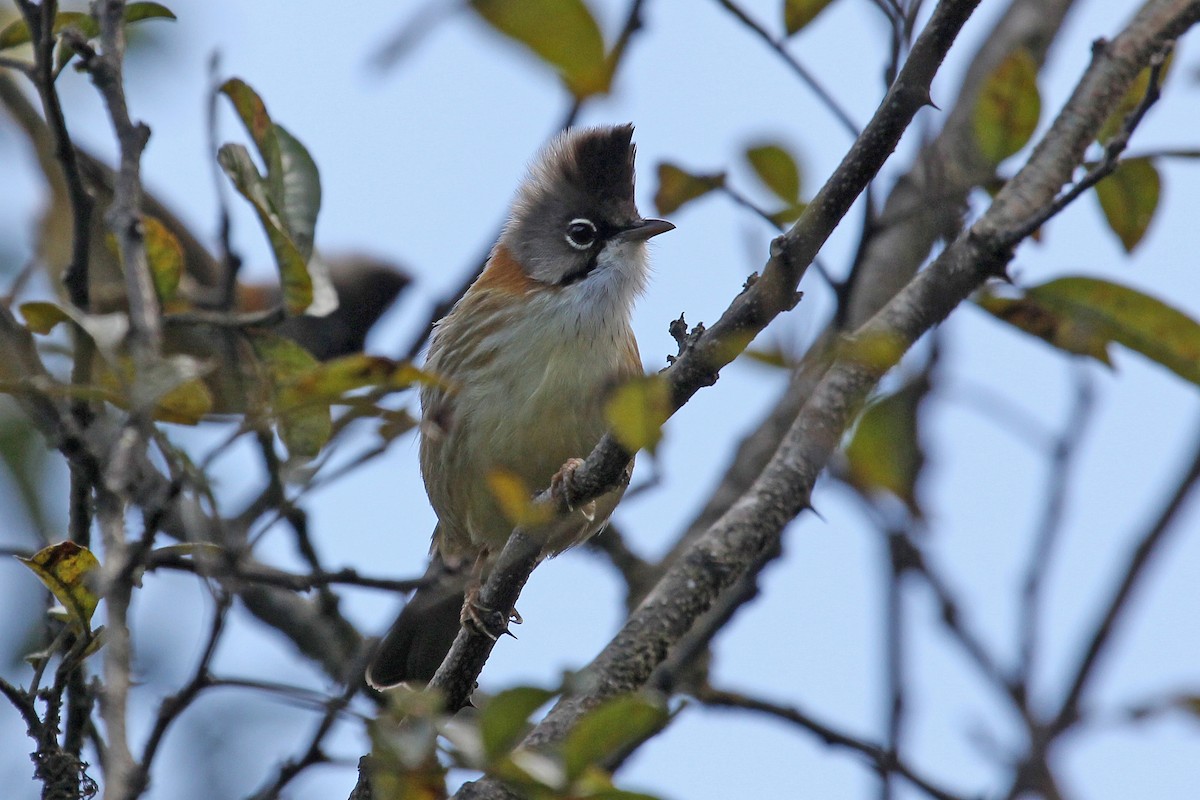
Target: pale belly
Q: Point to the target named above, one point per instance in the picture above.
(527, 418)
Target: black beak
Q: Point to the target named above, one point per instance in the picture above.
(645, 229)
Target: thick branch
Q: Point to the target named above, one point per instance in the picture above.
(924, 203)
(755, 522)
(762, 300)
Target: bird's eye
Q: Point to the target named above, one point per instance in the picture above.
(581, 233)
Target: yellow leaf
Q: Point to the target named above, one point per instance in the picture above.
(798, 13)
(676, 187)
(515, 499)
(164, 254)
(1129, 197)
(1082, 315)
(66, 569)
(773, 357)
(303, 427)
(885, 451)
(788, 214)
(171, 386)
(333, 379)
(186, 404)
(778, 171)
(637, 410)
(1049, 326)
(1009, 105)
(563, 33)
(42, 317)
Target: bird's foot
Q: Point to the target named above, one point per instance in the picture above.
(486, 620)
(562, 487)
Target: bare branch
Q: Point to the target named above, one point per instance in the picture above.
(1147, 545)
(780, 48)
(884, 761)
(717, 558)
(922, 206)
(1063, 457)
(762, 300)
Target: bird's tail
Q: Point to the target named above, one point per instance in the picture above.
(421, 636)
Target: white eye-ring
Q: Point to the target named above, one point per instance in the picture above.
(581, 233)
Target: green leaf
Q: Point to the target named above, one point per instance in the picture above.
(885, 451)
(164, 254)
(171, 388)
(562, 33)
(291, 189)
(17, 32)
(1009, 105)
(798, 13)
(608, 729)
(300, 193)
(1132, 99)
(637, 410)
(304, 428)
(252, 111)
(136, 12)
(172, 385)
(67, 570)
(108, 331)
(293, 267)
(331, 380)
(1083, 315)
(677, 187)
(1129, 197)
(42, 317)
(505, 718)
(777, 170)
(773, 357)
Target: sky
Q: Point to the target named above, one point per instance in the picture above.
(418, 163)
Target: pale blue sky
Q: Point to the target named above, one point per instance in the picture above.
(418, 165)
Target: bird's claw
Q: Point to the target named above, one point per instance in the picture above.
(562, 487)
(485, 620)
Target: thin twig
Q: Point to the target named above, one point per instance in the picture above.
(745, 202)
(171, 707)
(894, 652)
(961, 633)
(780, 48)
(1064, 456)
(23, 704)
(40, 22)
(225, 566)
(314, 753)
(879, 757)
(1147, 545)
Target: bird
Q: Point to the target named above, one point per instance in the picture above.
(522, 365)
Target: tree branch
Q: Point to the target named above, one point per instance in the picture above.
(1149, 544)
(717, 558)
(884, 761)
(697, 366)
